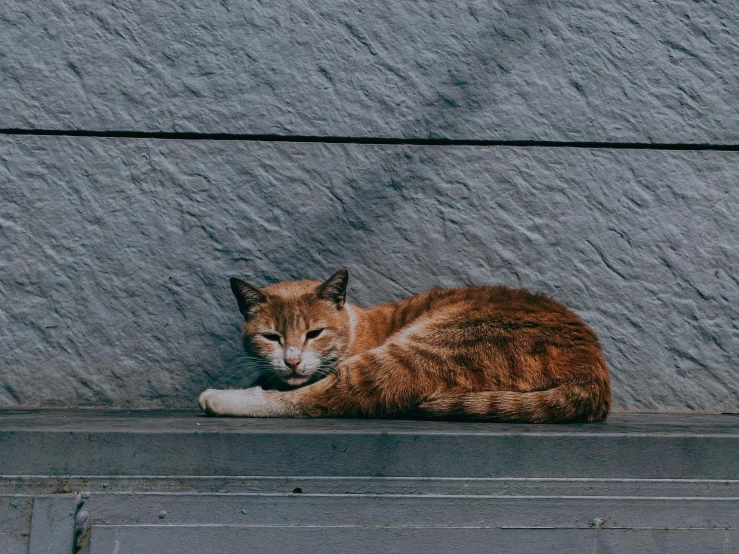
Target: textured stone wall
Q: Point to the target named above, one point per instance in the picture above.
(633, 70)
(115, 253)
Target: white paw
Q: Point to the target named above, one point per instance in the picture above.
(208, 401)
(253, 402)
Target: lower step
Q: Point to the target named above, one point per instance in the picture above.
(183, 523)
(241, 540)
(428, 511)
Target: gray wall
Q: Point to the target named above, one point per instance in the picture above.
(115, 253)
(633, 70)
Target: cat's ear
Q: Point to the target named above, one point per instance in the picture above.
(334, 289)
(248, 296)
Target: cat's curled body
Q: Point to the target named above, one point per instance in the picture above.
(488, 353)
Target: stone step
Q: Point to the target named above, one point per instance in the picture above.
(95, 442)
(98, 481)
(413, 511)
(409, 541)
(353, 485)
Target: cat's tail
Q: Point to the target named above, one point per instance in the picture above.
(569, 402)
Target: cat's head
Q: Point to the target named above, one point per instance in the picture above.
(296, 331)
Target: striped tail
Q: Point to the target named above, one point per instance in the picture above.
(565, 403)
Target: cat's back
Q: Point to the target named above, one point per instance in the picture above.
(498, 299)
(500, 307)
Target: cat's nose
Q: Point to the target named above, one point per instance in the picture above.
(293, 358)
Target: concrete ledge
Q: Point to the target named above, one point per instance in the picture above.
(100, 481)
(115, 443)
(414, 541)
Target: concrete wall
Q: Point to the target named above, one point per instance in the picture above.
(115, 253)
(634, 70)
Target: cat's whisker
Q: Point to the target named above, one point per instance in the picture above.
(238, 372)
(245, 358)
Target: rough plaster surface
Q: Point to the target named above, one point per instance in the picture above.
(115, 254)
(636, 70)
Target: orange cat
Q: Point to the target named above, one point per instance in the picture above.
(482, 353)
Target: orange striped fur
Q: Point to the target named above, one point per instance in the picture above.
(490, 353)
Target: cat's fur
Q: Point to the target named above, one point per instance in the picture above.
(482, 353)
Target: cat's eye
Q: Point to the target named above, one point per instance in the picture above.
(313, 333)
(274, 337)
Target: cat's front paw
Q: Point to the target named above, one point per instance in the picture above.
(253, 402)
(214, 402)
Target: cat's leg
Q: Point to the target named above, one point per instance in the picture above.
(384, 381)
(253, 402)
(390, 380)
